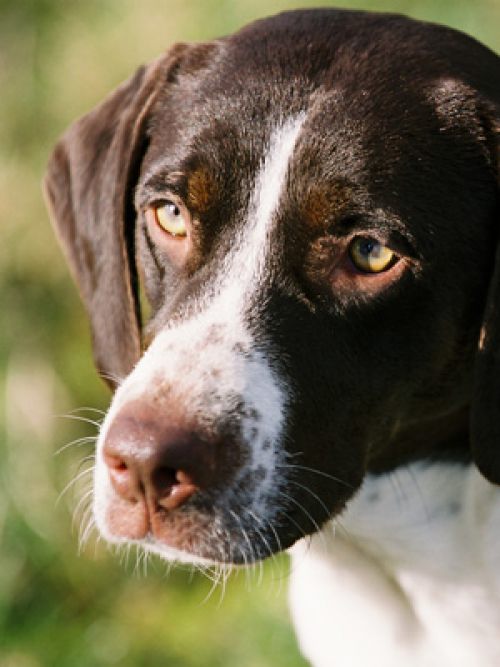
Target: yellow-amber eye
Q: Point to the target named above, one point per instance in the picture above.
(172, 218)
(370, 256)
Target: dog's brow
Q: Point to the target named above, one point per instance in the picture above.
(159, 182)
(201, 189)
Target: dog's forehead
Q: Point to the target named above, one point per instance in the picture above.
(219, 143)
(223, 116)
(371, 129)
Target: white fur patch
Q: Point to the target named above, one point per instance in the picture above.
(208, 361)
(408, 575)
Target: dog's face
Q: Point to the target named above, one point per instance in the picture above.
(314, 224)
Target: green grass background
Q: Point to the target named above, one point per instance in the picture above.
(59, 607)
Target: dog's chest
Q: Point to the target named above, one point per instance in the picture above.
(408, 575)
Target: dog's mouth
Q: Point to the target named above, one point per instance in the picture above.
(216, 501)
(190, 493)
(222, 528)
(238, 518)
(236, 525)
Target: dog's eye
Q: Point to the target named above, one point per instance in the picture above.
(172, 218)
(371, 256)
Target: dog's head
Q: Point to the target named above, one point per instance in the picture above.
(312, 208)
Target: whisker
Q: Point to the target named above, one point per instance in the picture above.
(249, 544)
(87, 531)
(85, 498)
(291, 455)
(168, 567)
(142, 561)
(275, 559)
(85, 420)
(328, 512)
(72, 482)
(292, 520)
(317, 472)
(302, 508)
(265, 542)
(276, 536)
(86, 408)
(337, 523)
(111, 376)
(304, 536)
(245, 564)
(257, 519)
(226, 573)
(414, 479)
(135, 571)
(83, 523)
(140, 567)
(76, 443)
(215, 577)
(309, 516)
(97, 542)
(86, 459)
(127, 551)
(399, 490)
(208, 572)
(146, 562)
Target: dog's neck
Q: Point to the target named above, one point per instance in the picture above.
(437, 438)
(410, 560)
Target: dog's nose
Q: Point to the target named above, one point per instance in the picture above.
(149, 456)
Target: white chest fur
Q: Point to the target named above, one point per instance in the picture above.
(408, 575)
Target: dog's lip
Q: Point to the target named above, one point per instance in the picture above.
(161, 521)
(130, 521)
(186, 535)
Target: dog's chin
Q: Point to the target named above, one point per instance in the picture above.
(193, 536)
(203, 553)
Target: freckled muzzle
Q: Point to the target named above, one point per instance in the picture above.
(187, 456)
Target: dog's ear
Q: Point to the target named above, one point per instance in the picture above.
(485, 411)
(89, 189)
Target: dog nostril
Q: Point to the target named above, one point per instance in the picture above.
(172, 487)
(115, 463)
(164, 479)
(123, 477)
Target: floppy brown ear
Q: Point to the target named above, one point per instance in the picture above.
(88, 184)
(485, 410)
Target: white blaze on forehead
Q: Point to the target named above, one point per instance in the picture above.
(271, 180)
(208, 358)
(247, 261)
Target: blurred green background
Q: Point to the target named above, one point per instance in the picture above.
(59, 607)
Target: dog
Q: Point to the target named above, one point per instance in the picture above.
(311, 206)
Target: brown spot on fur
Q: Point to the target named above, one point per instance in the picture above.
(202, 190)
(323, 203)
